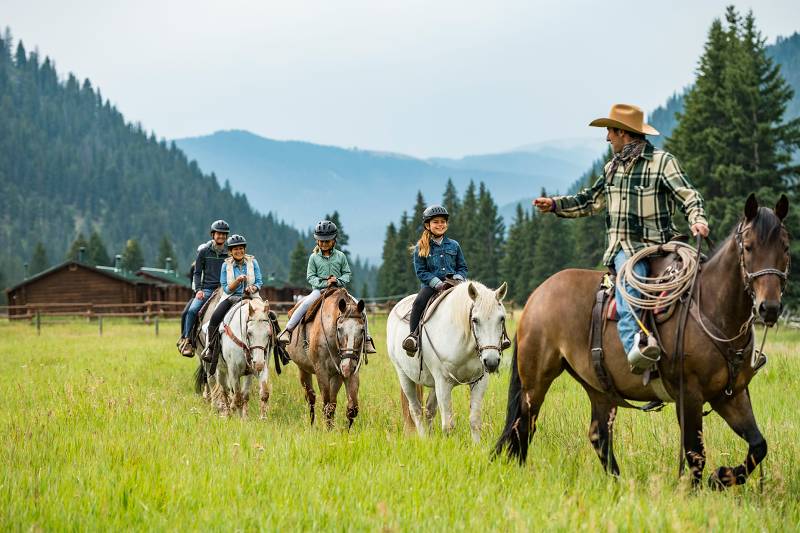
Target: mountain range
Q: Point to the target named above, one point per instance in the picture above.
(299, 182)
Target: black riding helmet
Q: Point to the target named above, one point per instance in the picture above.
(236, 240)
(325, 231)
(434, 211)
(220, 226)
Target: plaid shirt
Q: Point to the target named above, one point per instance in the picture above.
(641, 199)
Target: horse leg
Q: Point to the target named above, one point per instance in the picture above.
(410, 400)
(444, 391)
(311, 397)
(245, 394)
(352, 399)
(430, 406)
(737, 411)
(693, 435)
(604, 414)
(264, 390)
(334, 383)
(476, 392)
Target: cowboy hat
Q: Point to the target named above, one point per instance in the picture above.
(626, 117)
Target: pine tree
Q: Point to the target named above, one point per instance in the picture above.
(511, 266)
(364, 294)
(97, 253)
(451, 202)
(132, 258)
(389, 274)
(74, 252)
(165, 251)
(342, 239)
(39, 261)
(299, 264)
(489, 233)
(465, 226)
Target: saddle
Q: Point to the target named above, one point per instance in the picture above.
(605, 309)
(431, 306)
(197, 328)
(312, 310)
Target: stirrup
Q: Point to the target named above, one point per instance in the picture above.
(285, 337)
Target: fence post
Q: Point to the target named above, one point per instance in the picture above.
(155, 319)
(100, 324)
(38, 323)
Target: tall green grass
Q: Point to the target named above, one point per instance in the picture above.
(105, 433)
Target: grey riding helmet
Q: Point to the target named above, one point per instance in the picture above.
(236, 240)
(434, 211)
(220, 226)
(325, 231)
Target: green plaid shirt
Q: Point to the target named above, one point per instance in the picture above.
(640, 199)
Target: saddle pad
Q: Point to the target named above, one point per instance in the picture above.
(331, 291)
(229, 315)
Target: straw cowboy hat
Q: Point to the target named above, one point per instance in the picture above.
(625, 117)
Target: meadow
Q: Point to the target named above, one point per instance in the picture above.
(106, 433)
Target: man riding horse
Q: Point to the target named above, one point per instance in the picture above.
(640, 188)
(205, 280)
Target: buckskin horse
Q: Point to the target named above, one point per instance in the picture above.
(331, 346)
(460, 343)
(743, 279)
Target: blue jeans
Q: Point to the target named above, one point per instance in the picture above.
(191, 313)
(626, 325)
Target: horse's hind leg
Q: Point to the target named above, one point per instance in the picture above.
(601, 429)
(532, 397)
(476, 392)
(410, 397)
(737, 411)
(311, 397)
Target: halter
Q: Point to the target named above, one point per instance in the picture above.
(748, 276)
(344, 353)
(246, 348)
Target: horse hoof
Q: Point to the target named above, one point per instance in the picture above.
(721, 479)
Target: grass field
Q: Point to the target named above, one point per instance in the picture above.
(106, 433)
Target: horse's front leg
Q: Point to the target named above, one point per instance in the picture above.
(334, 384)
(737, 411)
(476, 392)
(245, 394)
(693, 434)
(444, 391)
(352, 398)
(264, 390)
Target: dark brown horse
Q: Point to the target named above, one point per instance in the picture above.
(746, 275)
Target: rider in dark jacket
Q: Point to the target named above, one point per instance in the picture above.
(207, 268)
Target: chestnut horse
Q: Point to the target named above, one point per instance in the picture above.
(743, 279)
(331, 346)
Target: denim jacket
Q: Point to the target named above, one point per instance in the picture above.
(253, 277)
(444, 260)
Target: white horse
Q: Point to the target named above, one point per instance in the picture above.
(247, 338)
(458, 344)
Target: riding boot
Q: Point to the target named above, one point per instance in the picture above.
(213, 353)
(285, 337)
(410, 344)
(370, 348)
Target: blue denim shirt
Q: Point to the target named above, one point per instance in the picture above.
(238, 270)
(444, 259)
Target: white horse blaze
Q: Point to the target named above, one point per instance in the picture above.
(449, 350)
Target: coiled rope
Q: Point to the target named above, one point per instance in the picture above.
(662, 291)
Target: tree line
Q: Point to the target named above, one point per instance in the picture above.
(732, 138)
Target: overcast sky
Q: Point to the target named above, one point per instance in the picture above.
(426, 78)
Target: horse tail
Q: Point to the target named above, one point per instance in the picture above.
(509, 440)
(200, 378)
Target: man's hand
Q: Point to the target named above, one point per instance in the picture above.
(331, 281)
(700, 229)
(543, 204)
(200, 295)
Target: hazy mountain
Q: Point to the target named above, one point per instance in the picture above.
(300, 181)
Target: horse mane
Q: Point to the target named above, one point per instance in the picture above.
(483, 304)
(766, 224)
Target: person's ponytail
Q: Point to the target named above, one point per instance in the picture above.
(424, 243)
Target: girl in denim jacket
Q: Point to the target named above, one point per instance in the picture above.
(437, 260)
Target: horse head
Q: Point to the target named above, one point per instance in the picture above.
(763, 244)
(259, 332)
(487, 322)
(350, 326)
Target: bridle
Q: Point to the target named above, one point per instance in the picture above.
(480, 349)
(343, 351)
(248, 349)
(747, 276)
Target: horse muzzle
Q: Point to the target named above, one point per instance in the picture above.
(769, 311)
(491, 361)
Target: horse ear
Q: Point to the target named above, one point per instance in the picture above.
(500, 293)
(342, 305)
(472, 291)
(361, 306)
(782, 207)
(751, 207)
